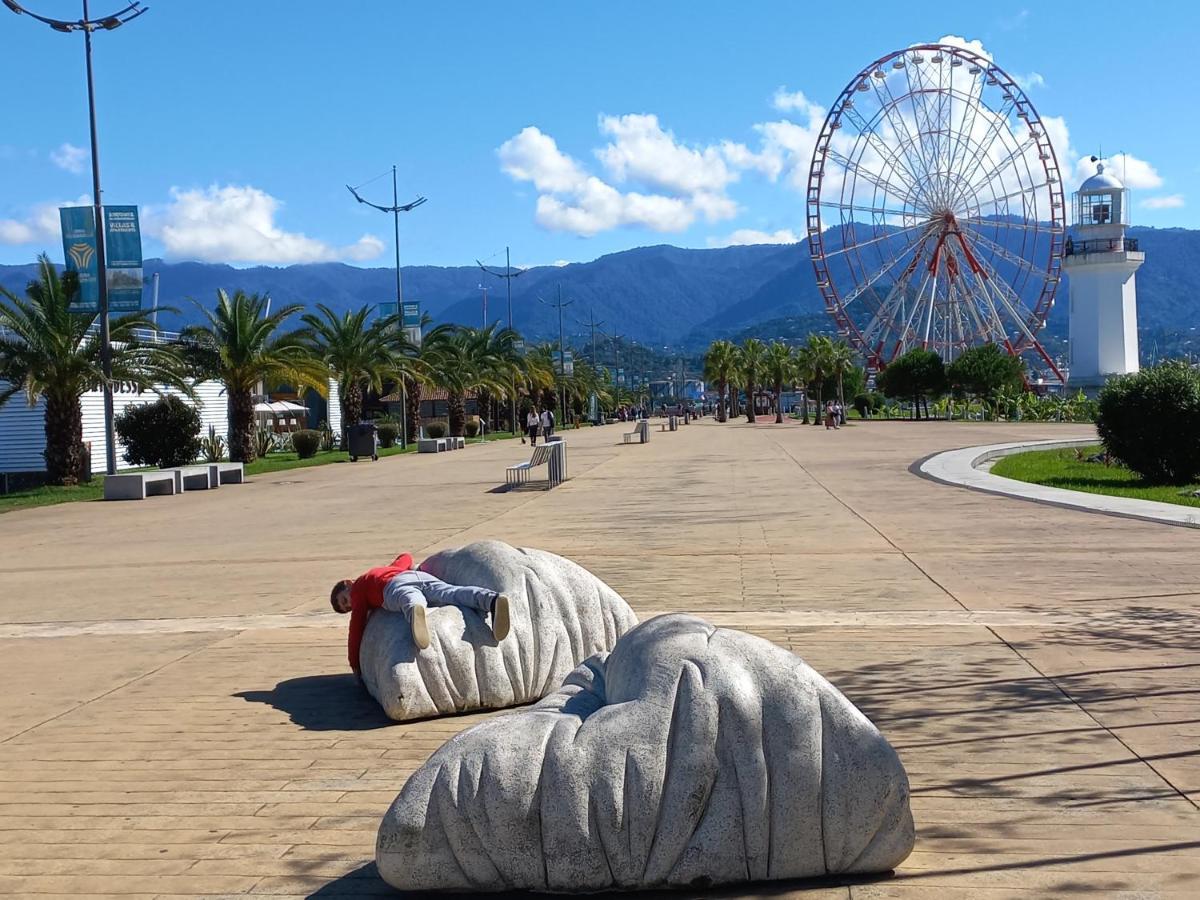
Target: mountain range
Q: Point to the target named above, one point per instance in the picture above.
(660, 295)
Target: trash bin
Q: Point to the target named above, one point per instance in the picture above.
(362, 440)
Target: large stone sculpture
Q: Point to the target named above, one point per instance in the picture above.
(690, 756)
(561, 615)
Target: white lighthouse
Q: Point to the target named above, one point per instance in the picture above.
(1101, 263)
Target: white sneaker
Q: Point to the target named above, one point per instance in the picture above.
(500, 618)
(420, 627)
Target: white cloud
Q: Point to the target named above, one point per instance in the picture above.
(795, 101)
(40, 226)
(955, 40)
(1168, 201)
(69, 157)
(693, 181)
(1030, 81)
(744, 236)
(1133, 172)
(237, 224)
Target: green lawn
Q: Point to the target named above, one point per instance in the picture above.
(275, 462)
(1067, 469)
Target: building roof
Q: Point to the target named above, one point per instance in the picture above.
(1102, 181)
(427, 393)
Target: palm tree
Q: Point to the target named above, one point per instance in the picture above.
(780, 366)
(841, 361)
(241, 345)
(818, 352)
(802, 371)
(720, 365)
(359, 356)
(753, 364)
(735, 383)
(46, 350)
(460, 360)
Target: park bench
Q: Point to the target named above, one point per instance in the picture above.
(431, 445)
(139, 485)
(226, 473)
(519, 474)
(194, 478)
(641, 430)
(456, 443)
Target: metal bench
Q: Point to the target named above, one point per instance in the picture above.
(431, 445)
(138, 485)
(519, 474)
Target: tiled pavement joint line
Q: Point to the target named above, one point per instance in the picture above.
(134, 680)
(854, 512)
(1083, 709)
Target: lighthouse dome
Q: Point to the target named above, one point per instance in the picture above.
(1102, 181)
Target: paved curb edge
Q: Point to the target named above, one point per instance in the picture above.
(959, 468)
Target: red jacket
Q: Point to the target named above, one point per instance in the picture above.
(366, 594)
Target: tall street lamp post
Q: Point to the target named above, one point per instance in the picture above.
(508, 275)
(87, 25)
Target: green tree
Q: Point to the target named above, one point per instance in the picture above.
(720, 366)
(461, 360)
(983, 372)
(1150, 421)
(752, 367)
(780, 367)
(48, 351)
(916, 375)
(817, 359)
(359, 356)
(841, 364)
(243, 345)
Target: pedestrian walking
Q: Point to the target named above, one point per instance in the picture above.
(532, 423)
(547, 424)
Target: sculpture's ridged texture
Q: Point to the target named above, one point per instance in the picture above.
(561, 615)
(691, 755)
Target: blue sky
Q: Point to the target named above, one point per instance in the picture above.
(565, 130)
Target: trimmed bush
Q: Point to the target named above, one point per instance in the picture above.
(165, 433)
(388, 432)
(306, 442)
(1150, 421)
(471, 428)
(436, 429)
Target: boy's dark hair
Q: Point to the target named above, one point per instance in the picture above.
(345, 582)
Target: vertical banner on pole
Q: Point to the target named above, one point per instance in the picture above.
(79, 250)
(123, 252)
(389, 309)
(410, 311)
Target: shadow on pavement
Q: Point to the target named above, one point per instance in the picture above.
(365, 882)
(323, 703)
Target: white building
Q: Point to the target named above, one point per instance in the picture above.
(1101, 263)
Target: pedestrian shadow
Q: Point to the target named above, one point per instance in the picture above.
(365, 882)
(323, 703)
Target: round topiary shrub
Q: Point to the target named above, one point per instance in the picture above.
(1150, 421)
(388, 433)
(165, 433)
(306, 442)
(471, 428)
(436, 429)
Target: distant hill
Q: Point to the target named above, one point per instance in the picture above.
(656, 295)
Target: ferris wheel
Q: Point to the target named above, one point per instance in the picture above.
(935, 208)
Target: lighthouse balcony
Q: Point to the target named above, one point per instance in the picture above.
(1102, 245)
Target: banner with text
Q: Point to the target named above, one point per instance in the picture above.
(123, 253)
(79, 250)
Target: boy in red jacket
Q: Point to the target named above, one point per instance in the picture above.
(401, 588)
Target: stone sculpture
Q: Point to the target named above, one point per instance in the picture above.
(690, 756)
(561, 614)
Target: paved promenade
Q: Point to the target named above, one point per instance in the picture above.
(178, 720)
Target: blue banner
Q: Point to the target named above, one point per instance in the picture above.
(123, 253)
(79, 250)
(388, 309)
(412, 314)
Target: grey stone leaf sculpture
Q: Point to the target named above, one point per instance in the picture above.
(690, 756)
(561, 615)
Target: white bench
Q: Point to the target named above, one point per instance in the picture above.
(139, 485)
(226, 473)
(519, 474)
(642, 430)
(194, 478)
(456, 442)
(431, 445)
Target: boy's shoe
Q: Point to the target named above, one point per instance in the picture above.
(500, 618)
(420, 627)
